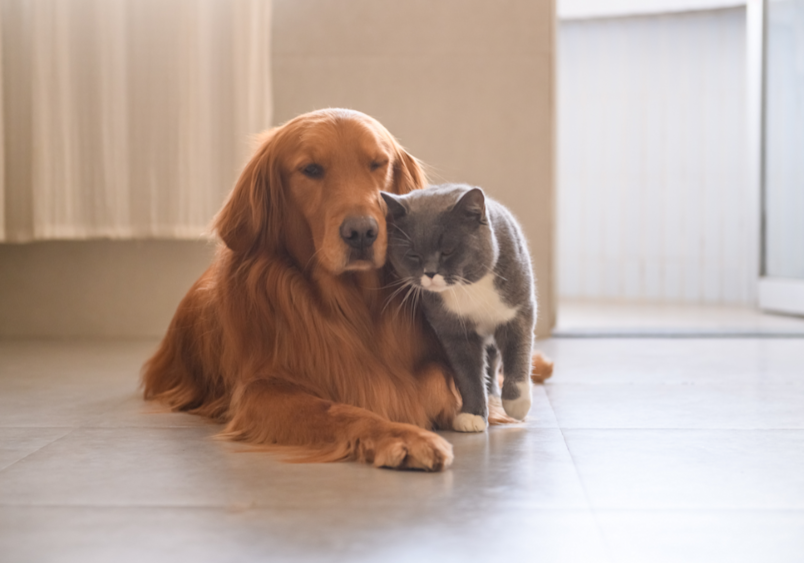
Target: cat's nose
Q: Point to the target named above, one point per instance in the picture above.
(359, 232)
(430, 275)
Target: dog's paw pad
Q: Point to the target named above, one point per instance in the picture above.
(467, 422)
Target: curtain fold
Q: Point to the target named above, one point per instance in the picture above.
(126, 118)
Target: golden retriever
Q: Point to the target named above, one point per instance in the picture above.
(294, 336)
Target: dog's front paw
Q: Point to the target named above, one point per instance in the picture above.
(413, 448)
(518, 408)
(467, 422)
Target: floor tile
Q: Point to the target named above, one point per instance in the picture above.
(690, 469)
(636, 450)
(58, 534)
(676, 360)
(704, 537)
(62, 384)
(541, 413)
(63, 404)
(134, 412)
(17, 443)
(515, 467)
(579, 317)
(724, 405)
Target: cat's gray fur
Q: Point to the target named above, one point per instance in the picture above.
(486, 260)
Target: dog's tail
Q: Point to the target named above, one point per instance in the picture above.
(541, 368)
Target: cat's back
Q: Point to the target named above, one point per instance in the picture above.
(507, 228)
(514, 269)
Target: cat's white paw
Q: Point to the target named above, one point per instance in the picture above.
(467, 422)
(518, 408)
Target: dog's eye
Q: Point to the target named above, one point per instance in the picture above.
(313, 170)
(377, 165)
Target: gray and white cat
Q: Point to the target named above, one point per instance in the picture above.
(466, 256)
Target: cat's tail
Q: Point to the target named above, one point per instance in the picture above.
(541, 368)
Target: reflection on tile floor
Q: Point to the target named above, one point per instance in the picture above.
(595, 318)
(636, 450)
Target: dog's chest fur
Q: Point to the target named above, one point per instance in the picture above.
(480, 303)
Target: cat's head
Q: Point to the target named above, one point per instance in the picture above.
(440, 236)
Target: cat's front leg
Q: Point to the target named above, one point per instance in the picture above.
(467, 355)
(515, 341)
(493, 372)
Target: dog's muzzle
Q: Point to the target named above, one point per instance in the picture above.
(359, 234)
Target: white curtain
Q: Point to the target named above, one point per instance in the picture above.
(126, 118)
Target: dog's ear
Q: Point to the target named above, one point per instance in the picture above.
(408, 173)
(251, 212)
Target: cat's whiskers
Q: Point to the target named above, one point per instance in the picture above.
(417, 295)
(406, 284)
(395, 283)
(411, 290)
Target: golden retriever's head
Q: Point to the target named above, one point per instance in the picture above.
(313, 189)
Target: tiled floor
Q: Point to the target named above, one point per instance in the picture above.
(594, 318)
(638, 450)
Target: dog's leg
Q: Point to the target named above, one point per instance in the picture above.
(269, 412)
(438, 395)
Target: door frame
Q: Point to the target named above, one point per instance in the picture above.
(780, 295)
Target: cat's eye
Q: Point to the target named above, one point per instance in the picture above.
(376, 165)
(414, 257)
(313, 170)
(446, 253)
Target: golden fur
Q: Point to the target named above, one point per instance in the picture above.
(284, 338)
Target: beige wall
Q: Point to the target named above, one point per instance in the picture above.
(97, 288)
(467, 86)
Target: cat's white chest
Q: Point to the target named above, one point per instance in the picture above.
(480, 303)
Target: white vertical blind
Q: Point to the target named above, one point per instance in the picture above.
(654, 202)
(127, 118)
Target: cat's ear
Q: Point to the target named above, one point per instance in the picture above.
(396, 209)
(472, 205)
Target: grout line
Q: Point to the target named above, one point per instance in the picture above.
(590, 507)
(53, 441)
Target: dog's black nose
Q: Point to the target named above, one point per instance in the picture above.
(359, 232)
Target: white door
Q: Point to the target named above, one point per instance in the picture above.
(781, 285)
